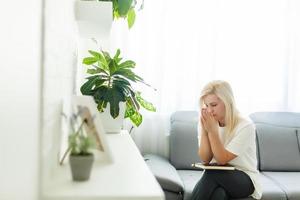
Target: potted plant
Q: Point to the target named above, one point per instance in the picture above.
(110, 82)
(81, 158)
(125, 9)
(94, 17)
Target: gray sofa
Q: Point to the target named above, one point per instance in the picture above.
(278, 151)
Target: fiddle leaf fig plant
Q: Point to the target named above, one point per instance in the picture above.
(110, 81)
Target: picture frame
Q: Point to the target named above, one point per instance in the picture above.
(84, 107)
(85, 117)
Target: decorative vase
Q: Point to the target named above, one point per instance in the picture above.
(110, 124)
(81, 166)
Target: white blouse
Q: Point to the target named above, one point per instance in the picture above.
(242, 143)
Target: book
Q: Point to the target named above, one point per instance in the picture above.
(213, 166)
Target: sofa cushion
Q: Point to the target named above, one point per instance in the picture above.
(271, 190)
(278, 148)
(189, 178)
(288, 181)
(285, 119)
(183, 139)
(173, 195)
(165, 173)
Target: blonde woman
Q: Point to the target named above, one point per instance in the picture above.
(225, 137)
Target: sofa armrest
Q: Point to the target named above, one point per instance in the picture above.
(164, 172)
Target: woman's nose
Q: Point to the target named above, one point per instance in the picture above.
(209, 109)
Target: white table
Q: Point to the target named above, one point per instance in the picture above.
(127, 178)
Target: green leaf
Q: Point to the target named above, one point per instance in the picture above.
(121, 80)
(87, 87)
(98, 57)
(129, 110)
(127, 73)
(115, 9)
(103, 62)
(96, 71)
(106, 55)
(94, 53)
(123, 7)
(89, 60)
(112, 66)
(92, 71)
(116, 56)
(133, 101)
(136, 118)
(86, 143)
(145, 104)
(101, 94)
(114, 99)
(123, 87)
(101, 105)
(116, 14)
(79, 143)
(127, 64)
(131, 17)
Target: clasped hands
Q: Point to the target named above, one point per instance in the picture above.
(208, 122)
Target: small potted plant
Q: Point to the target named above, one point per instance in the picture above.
(110, 82)
(81, 158)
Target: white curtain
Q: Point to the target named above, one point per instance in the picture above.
(181, 45)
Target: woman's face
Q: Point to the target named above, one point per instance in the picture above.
(215, 106)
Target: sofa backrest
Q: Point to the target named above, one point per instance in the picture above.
(278, 140)
(183, 139)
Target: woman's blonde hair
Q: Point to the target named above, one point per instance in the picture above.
(223, 90)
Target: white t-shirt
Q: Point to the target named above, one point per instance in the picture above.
(243, 144)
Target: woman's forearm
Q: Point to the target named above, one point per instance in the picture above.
(205, 152)
(217, 148)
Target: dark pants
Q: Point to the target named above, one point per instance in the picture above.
(222, 184)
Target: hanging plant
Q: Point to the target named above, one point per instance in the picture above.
(125, 9)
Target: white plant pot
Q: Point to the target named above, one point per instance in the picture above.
(110, 124)
(94, 18)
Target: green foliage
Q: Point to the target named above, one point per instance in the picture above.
(80, 143)
(110, 81)
(124, 9)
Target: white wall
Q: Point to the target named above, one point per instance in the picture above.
(20, 69)
(60, 65)
(63, 74)
(33, 87)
